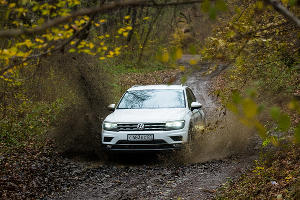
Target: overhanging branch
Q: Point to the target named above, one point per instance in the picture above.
(46, 52)
(10, 33)
(284, 11)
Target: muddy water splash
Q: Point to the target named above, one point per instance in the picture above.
(225, 135)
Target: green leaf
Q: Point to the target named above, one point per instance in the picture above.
(236, 97)
(183, 79)
(233, 108)
(292, 2)
(221, 5)
(266, 142)
(275, 113)
(274, 140)
(192, 49)
(205, 6)
(284, 122)
(252, 92)
(212, 13)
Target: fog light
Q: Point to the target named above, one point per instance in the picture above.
(176, 145)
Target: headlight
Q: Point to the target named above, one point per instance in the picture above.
(174, 125)
(110, 126)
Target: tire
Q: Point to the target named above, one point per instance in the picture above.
(190, 141)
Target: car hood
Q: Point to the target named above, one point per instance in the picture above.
(146, 115)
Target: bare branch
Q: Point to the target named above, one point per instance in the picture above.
(284, 11)
(89, 11)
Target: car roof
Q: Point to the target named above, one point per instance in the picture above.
(156, 87)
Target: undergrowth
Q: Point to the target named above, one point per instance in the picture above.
(276, 175)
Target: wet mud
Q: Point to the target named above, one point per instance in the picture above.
(222, 153)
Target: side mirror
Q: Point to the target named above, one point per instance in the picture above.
(111, 107)
(196, 105)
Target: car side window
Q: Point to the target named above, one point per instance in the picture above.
(192, 94)
(189, 98)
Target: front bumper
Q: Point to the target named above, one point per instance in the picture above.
(163, 140)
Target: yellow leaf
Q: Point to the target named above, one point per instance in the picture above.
(39, 40)
(11, 5)
(146, 18)
(259, 4)
(107, 35)
(102, 20)
(165, 57)
(249, 108)
(91, 45)
(193, 62)
(285, 2)
(127, 17)
(125, 34)
(129, 28)
(181, 68)
(178, 53)
(121, 30)
(66, 26)
(102, 58)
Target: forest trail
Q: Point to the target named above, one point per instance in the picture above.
(222, 156)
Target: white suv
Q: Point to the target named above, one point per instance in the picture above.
(152, 117)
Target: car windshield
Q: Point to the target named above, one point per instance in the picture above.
(151, 99)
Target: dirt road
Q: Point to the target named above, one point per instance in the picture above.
(223, 154)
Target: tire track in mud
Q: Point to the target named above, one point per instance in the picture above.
(168, 176)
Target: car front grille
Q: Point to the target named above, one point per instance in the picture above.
(147, 127)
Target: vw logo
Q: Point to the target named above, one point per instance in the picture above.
(141, 126)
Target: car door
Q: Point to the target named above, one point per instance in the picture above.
(197, 113)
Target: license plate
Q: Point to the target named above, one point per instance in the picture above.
(140, 137)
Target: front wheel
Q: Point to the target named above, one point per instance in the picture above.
(190, 140)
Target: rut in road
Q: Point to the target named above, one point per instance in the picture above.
(217, 159)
